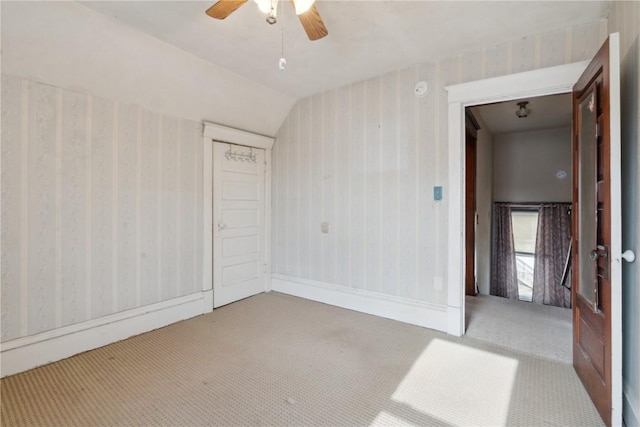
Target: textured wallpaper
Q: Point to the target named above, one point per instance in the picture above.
(365, 158)
(101, 207)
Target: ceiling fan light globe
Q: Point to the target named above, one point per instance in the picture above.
(303, 5)
(269, 7)
(263, 5)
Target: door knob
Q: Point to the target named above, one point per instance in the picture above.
(221, 226)
(628, 255)
(593, 255)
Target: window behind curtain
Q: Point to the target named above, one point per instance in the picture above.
(525, 223)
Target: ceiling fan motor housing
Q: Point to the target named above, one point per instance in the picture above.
(305, 9)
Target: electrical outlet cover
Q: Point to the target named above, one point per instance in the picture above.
(324, 227)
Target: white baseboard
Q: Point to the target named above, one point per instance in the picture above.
(630, 407)
(391, 307)
(29, 352)
(455, 321)
(207, 299)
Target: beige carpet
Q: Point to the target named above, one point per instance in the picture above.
(536, 329)
(278, 360)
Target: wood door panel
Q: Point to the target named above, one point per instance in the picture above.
(592, 232)
(241, 218)
(592, 382)
(595, 322)
(240, 245)
(591, 345)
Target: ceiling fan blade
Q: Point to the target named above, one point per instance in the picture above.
(312, 23)
(223, 8)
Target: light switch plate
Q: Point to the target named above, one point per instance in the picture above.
(437, 193)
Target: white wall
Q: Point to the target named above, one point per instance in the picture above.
(625, 18)
(102, 178)
(359, 157)
(101, 207)
(366, 157)
(73, 47)
(484, 198)
(525, 166)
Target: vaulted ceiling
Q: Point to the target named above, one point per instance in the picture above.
(366, 38)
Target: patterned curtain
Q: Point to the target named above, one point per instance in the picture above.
(552, 245)
(504, 278)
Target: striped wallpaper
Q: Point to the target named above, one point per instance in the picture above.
(365, 158)
(101, 207)
(101, 200)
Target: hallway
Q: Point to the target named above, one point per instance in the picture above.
(534, 329)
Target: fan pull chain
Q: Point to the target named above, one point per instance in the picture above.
(282, 64)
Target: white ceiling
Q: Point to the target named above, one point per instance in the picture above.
(546, 112)
(366, 38)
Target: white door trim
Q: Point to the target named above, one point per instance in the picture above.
(236, 136)
(615, 177)
(546, 81)
(217, 133)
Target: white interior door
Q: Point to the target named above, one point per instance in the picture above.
(238, 222)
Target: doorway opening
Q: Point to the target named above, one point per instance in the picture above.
(522, 170)
(602, 72)
(546, 81)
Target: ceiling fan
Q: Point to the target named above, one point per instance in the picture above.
(305, 9)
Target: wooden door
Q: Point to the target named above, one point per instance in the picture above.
(470, 213)
(596, 232)
(238, 222)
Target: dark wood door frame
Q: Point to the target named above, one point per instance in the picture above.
(470, 214)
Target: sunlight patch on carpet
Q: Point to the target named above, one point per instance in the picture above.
(451, 382)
